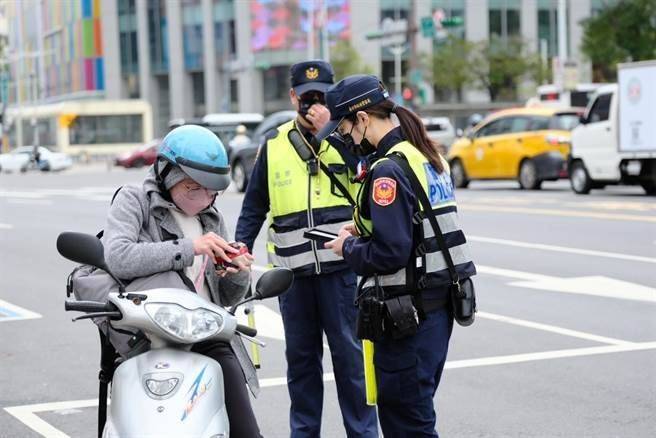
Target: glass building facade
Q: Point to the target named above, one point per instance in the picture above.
(56, 47)
(65, 48)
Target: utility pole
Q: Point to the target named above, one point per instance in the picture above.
(562, 39)
(325, 44)
(412, 39)
(310, 32)
(226, 75)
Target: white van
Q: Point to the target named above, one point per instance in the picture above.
(553, 96)
(616, 140)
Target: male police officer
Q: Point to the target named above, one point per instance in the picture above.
(291, 184)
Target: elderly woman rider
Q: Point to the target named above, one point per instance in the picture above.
(169, 227)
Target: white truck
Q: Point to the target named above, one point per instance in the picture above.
(616, 140)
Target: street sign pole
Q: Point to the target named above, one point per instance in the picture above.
(397, 51)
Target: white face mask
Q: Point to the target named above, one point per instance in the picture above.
(192, 198)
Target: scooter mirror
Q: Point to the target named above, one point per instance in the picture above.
(82, 248)
(273, 282)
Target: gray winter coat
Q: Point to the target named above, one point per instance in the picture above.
(142, 238)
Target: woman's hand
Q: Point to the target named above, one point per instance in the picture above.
(240, 263)
(213, 246)
(337, 244)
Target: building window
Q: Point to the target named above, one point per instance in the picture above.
(192, 34)
(394, 9)
(276, 82)
(597, 6)
(106, 129)
(158, 36)
(225, 40)
(548, 26)
(127, 25)
(198, 85)
(504, 18)
(46, 129)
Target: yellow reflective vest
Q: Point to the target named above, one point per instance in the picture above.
(300, 201)
(427, 267)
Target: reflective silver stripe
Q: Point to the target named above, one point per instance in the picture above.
(327, 255)
(300, 260)
(396, 279)
(305, 258)
(294, 238)
(448, 223)
(292, 262)
(285, 240)
(435, 260)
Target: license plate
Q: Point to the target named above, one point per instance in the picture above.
(633, 167)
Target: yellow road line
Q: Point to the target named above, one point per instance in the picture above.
(555, 212)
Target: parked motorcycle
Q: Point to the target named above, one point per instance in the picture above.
(167, 390)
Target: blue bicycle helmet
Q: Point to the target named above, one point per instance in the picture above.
(199, 153)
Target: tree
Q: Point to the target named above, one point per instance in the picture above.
(346, 60)
(500, 64)
(623, 32)
(451, 65)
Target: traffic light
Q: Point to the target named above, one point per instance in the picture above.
(407, 94)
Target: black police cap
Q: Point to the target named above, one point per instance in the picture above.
(311, 76)
(350, 95)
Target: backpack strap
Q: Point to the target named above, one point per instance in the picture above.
(101, 233)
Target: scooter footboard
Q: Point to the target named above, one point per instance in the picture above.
(167, 392)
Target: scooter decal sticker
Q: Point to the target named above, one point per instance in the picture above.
(197, 390)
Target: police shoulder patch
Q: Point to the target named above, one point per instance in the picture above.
(384, 191)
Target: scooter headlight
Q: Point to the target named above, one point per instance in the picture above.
(161, 388)
(184, 324)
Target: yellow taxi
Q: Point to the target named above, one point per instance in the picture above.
(530, 145)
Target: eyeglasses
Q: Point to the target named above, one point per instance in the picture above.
(196, 191)
(342, 131)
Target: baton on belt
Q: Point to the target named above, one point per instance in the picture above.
(371, 390)
(249, 310)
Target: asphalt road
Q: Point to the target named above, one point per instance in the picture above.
(564, 344)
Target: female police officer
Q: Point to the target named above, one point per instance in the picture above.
(393, 248)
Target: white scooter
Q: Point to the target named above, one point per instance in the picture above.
(167, 390)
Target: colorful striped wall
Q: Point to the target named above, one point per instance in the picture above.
(73, 34)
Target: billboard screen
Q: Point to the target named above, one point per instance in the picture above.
(284, 24)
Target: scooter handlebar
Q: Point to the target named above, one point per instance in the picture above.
(87, 306)
(248, 331)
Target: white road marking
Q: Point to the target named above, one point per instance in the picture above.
(564, 249)
(557, 212)
(98, 198)
(599, 286)
(19, 194)
(27, 414)
(30, 201)
(6, 226)
(592, 285)
(12, 312)
(100, 194)
(552, 329)
(545, 355)
(268, 322)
